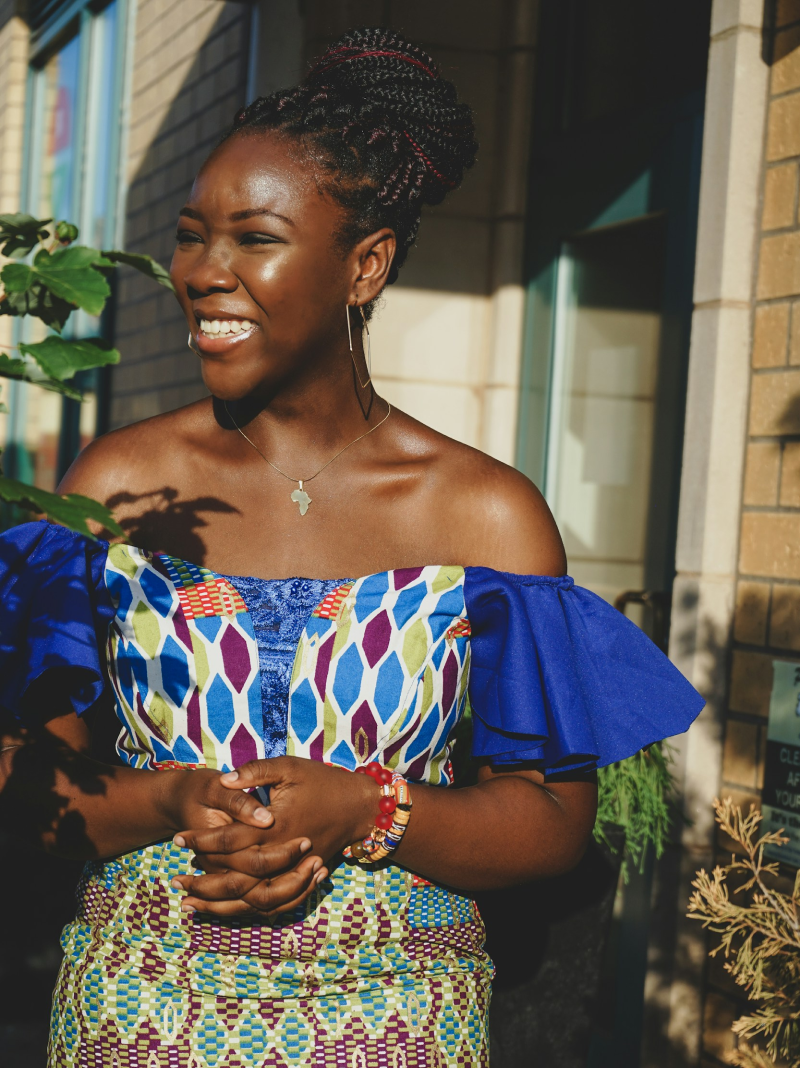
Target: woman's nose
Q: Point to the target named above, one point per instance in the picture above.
(209, 275)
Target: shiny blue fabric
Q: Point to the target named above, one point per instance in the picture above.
(54, 614)
(279, 609)
(560, 676)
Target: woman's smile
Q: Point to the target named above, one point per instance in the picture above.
(219, 335)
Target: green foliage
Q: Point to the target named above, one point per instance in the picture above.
(635, 794)
(61, 278)
(145, 264)
(759, 937)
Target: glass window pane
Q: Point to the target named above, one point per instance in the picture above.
(606, 353)
(59, 171)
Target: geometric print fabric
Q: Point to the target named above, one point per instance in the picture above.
(377, 968)
(381, 673)
(350, 979)
(183, 662)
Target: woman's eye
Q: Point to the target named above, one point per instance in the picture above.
(257, 239)
(186, 237)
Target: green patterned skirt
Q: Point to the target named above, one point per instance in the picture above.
(376, 970)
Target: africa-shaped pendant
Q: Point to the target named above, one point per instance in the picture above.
(301, 498)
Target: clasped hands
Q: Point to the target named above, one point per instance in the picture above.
(261, 860)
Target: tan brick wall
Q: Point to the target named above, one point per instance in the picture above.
(767, 615)
(188, 81)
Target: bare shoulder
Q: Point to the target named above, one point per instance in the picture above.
(121, 468)
(495, 515)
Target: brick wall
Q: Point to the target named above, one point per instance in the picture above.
(188, 80)
(767, 616)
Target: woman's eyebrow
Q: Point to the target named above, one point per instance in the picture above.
(238, 216)
(250, 213)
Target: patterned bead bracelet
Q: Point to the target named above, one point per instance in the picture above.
(392, 820)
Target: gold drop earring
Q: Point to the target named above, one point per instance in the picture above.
(369, 346)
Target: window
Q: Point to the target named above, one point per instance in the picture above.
(72, 165)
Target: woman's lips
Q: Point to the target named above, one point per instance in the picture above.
(220, 335)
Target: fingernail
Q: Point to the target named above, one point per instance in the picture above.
(179, 840)
(230, 776)
(323, 874)
(176, 885)
(262, 815)
(316, 865)
(188, 908)
(305, 846)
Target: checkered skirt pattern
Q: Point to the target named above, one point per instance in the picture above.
(376, 970)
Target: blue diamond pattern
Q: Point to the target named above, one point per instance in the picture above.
(304, 711)
(174, 670)
(208, 626)
(370, 594)
(389, 687)
(156, 590)
(347, 684)
(408, 602)
(422, 738)
(220, 709)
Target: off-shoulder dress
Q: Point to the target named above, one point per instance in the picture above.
(377, 968)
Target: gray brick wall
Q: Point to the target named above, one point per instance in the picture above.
(188, 80)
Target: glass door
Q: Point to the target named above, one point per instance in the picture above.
(606, 350)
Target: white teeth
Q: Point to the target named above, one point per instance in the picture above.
(212, 327)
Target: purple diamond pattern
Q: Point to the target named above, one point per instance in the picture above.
(235, 657)
(377, 634)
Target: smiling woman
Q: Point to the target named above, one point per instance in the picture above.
(247, 900)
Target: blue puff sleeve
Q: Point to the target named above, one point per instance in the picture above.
(54, 614)
(560, 676)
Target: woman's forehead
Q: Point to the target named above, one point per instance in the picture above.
(256, 172)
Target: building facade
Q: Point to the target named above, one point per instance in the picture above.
(611, 302)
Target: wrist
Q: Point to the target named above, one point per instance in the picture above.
(168, 798)
(365, 806)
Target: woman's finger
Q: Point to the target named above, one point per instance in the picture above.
(290, 906)
(230, 838)
(280, 894)
(226, 886)
(262, 861)
(246, 808)
(255, 773)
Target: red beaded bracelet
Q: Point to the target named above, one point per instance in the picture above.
(392, 820)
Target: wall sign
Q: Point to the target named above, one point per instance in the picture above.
(781, 794)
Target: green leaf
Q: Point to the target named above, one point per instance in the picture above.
(39, 302)
(62, 359)
(146, 264)
(72, 510)
(11, 368)
(17, 277)
(19, 233)
(71, 275)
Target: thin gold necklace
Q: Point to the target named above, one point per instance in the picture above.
(299, 496)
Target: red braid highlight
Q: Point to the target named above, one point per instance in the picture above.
(364, 55)
(446, 182)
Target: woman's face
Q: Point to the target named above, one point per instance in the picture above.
(257, 269)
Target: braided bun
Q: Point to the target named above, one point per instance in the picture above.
(388, 129)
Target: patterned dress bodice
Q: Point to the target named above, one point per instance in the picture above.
(211, 670)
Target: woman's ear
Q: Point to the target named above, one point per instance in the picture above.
(373, 258)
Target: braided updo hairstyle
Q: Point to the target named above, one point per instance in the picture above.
(387, 130)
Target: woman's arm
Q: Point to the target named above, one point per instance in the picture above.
(54, 793)
(511, 827)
